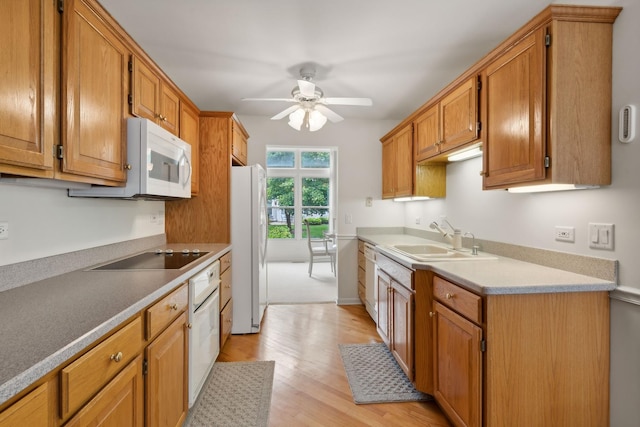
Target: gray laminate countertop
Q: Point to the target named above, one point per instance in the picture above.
(499, 275)
(45, 323)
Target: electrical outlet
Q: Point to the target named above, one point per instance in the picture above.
(368, 202)
(4, 230)
(417, 220)
(565, 234)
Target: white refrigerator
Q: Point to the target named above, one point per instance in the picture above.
(248, 247)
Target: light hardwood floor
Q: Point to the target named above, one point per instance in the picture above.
(310, 386)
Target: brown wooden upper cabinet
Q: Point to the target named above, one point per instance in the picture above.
(397, 164)
(67, 124)
(548, 98)
(29, 87)
(153, 98)
(449, 123)
(190, 132)
(95, 88)
(239, 139)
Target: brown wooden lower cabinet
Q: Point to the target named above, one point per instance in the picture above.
(515, 359)
(31, 410)
(120, 403)
(166, 380)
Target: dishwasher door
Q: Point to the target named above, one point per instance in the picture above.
(371, 278)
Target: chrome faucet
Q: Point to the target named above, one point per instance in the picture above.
(474, 247)
(455, 238)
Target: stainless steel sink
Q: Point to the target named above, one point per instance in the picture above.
(436, 253)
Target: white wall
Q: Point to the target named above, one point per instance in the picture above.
(45, 222)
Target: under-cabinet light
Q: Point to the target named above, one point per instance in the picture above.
(550, 187)
(465, 154)
(411, 198)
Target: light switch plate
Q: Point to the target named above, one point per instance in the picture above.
(601, 236)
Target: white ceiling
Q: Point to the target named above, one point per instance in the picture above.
(399, 53)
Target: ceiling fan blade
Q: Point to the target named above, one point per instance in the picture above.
(286, 112)
(365, 102)
(335, 118)
(307, 88)
(270, 99)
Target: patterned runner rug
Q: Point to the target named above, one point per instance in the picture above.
(375, 376)
(236, 394)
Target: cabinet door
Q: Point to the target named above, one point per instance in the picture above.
(459, 115)
(402, 327)
(238, 145)
(119, 403)
(28, 87)
(405, 166)
(514, 148)
(95, 88)
(389, 168)
(189, 132)
(426, 135)
(384, 291)
(31, 410)
(166, 381)
(169, 109)
(458, 367)
(145, 88)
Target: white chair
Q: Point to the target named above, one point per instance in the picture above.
(320, 248)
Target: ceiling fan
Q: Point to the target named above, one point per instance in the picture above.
(310, 110)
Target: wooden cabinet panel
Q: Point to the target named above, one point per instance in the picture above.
(226, 323)
(397, 165)
(458, 367)
(145, 86)
(169, 109)
(402, 328)
(239, 143)
(95, 88)
(190, 132)
(515, 91)
(164, 311)
(389, 169)
(225, 262)
(120, 403)
(427, 136)
(83, 378)
(166, 381)
(225, 288)
(459, 115)
(29, 87)
(31, 410)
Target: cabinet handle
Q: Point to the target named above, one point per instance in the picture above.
(127, 167)
(116, 357)
(173, 306)
(448, 295)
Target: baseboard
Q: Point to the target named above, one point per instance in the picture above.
(349, 301)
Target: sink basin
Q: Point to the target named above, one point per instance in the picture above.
(433, 253)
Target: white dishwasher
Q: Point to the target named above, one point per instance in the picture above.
(204, 326)
(370, 283)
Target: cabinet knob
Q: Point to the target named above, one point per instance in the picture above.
(116, 357)
(189, 325)
(482, 173)
(448, 295)
(173, 306)
(431, 314)
(127, 166)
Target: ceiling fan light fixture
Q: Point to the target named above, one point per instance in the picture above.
(296, 119)
(316, 120)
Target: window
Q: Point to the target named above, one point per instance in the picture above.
(299, 186)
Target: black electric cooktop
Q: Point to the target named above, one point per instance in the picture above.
(154, 261)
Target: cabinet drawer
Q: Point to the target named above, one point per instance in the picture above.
(167, 309)
(362, 261)
(361, 276)
(83, 378)
(362, 293)
(453, 296)
(225, 261)
(400, 273)
(226, 322)
(361, 246)
(225, 288)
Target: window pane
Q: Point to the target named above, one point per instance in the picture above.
(315, 159)
(281, 223)
(318, 222)
(315, 191)
(281, 159)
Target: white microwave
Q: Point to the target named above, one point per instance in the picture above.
(160, 166)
